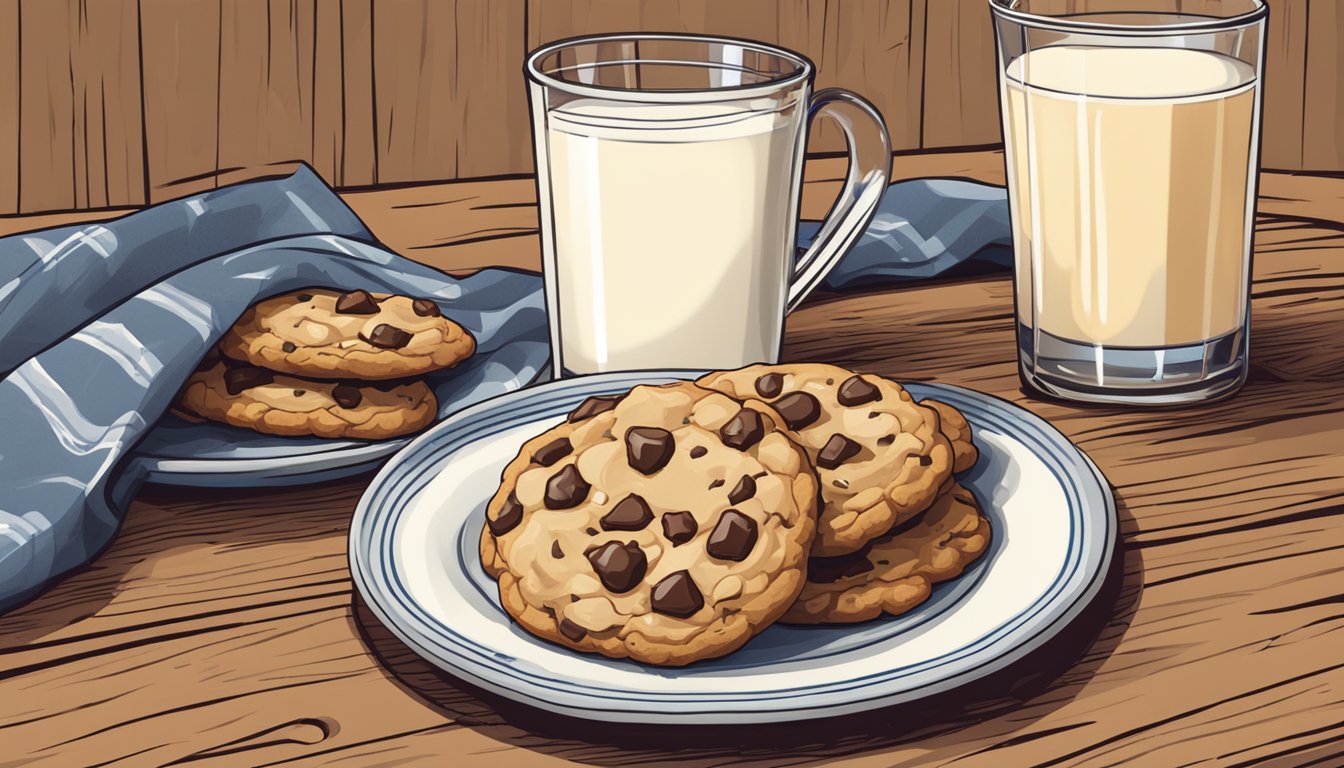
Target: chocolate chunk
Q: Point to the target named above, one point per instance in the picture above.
(556, 551)
(698, 451)
(591, 532)
(886, 440)
(648, 449)
(837, 451)
(288, 346)
(770, 385)
(924, 460)
(619, 566)
(856, 391)
(799, 409)
(553, 451)
(300, 392)
(566, 489)
(305, 297)
(426, 308)
(356, 303)
(510, 515)
(630, 514)
(733, 536)
(824, 570)
(346, 396)
(743, 430)
(593, 406)
(677, 596)
(715, 483)
(745, 489)
(210, 360)
(573, 631)
(244, 377)
(679, 527)
(388, 336)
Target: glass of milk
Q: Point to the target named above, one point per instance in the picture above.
(1132, 146)
(668, 177)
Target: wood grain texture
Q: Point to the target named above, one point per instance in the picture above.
(180, 42)
(874, 49)
(109, 123)
(328, 130)
(46, 108)
(414, 73)
(491, 98)
(1285, 63)
(220, 628)
(266, 85)
(123, 101)
(359, 155)
(960, 96)
(1323, 91)
(449, 93)
(79, 115)
(9, 106)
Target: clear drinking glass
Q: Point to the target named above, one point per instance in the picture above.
(1132, 146)
(668, 177)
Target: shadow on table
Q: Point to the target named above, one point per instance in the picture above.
(167, 521)
(1067, 661)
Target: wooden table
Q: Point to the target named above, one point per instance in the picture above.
(220, 629)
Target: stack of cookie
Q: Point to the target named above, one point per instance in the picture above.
(671, 524)
(329, 364)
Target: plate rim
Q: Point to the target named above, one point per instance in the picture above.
(1059, 606)
(312, 464)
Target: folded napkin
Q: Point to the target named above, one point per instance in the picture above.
(100, 326)
(925, 228)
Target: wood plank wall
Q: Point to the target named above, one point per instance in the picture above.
(123, 102)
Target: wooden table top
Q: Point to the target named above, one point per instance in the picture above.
(220, 629)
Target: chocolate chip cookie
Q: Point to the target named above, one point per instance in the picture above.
(668, 526)
(879, 455)
(896, 572)
(957, 430)
(277, 404)
(325, 334)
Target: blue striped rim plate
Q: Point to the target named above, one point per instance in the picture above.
(414, 557)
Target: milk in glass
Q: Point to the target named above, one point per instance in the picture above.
(674, 230)
(1132, 203)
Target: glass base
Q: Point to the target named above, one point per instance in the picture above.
(1097, 373)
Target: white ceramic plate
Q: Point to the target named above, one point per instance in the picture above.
(413, 553)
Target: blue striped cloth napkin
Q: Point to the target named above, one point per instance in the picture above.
(100, 326)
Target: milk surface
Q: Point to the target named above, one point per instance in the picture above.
(674, 232)
(1132, 207)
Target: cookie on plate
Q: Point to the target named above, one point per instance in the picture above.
(957, 430)
(276, 404)
(667, 526)
(896, 572)
(326, 334)
(878, 453)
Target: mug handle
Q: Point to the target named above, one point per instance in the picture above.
(869, 171)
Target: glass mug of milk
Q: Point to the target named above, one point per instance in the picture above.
(668, 177)
(1132, 145)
